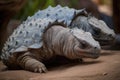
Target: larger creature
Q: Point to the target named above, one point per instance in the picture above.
(37, 40)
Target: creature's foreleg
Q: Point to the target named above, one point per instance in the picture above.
(29, 63)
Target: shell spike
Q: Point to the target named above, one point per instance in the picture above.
(58, 6)
(50, 7)
(89, 15)
(82, 11)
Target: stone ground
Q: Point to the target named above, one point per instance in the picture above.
(106, 67)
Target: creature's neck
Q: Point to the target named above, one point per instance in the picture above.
(60, 41)
(81, 22)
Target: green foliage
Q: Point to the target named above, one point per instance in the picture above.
(33, 6)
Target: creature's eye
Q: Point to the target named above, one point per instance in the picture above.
(83, 44)
(96, 31)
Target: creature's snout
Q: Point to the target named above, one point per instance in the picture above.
(89, 53)
(96, 52)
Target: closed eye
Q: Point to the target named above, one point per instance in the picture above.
(83, 45)
(96, 31)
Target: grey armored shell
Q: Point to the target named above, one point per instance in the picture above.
(29, 33)
(60, 13)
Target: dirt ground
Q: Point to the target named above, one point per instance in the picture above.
(106, 67)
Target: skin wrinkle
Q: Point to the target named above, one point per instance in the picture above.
(70, 53)
(22, 59)
(74, 45)
(74, 50)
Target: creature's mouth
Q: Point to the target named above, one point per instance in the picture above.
(105, 42)
(90, 54)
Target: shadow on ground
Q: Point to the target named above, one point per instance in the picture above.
(104, 68)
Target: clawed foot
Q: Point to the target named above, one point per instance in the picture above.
(31, 64)
(39, 67)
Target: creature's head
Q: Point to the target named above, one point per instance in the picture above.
(86, 46)
(99, 30)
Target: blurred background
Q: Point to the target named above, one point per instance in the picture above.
(92, 6)
(13, 12)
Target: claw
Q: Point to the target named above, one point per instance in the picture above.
(35, 70)
(40, 70)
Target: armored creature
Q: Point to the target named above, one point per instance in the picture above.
(36, 40)
(79, 19)
(100, 31)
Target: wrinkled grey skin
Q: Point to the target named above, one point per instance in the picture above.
(98, 28)
(79, 18)
(37, 40)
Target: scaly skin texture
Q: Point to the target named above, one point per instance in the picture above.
(57, 40)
